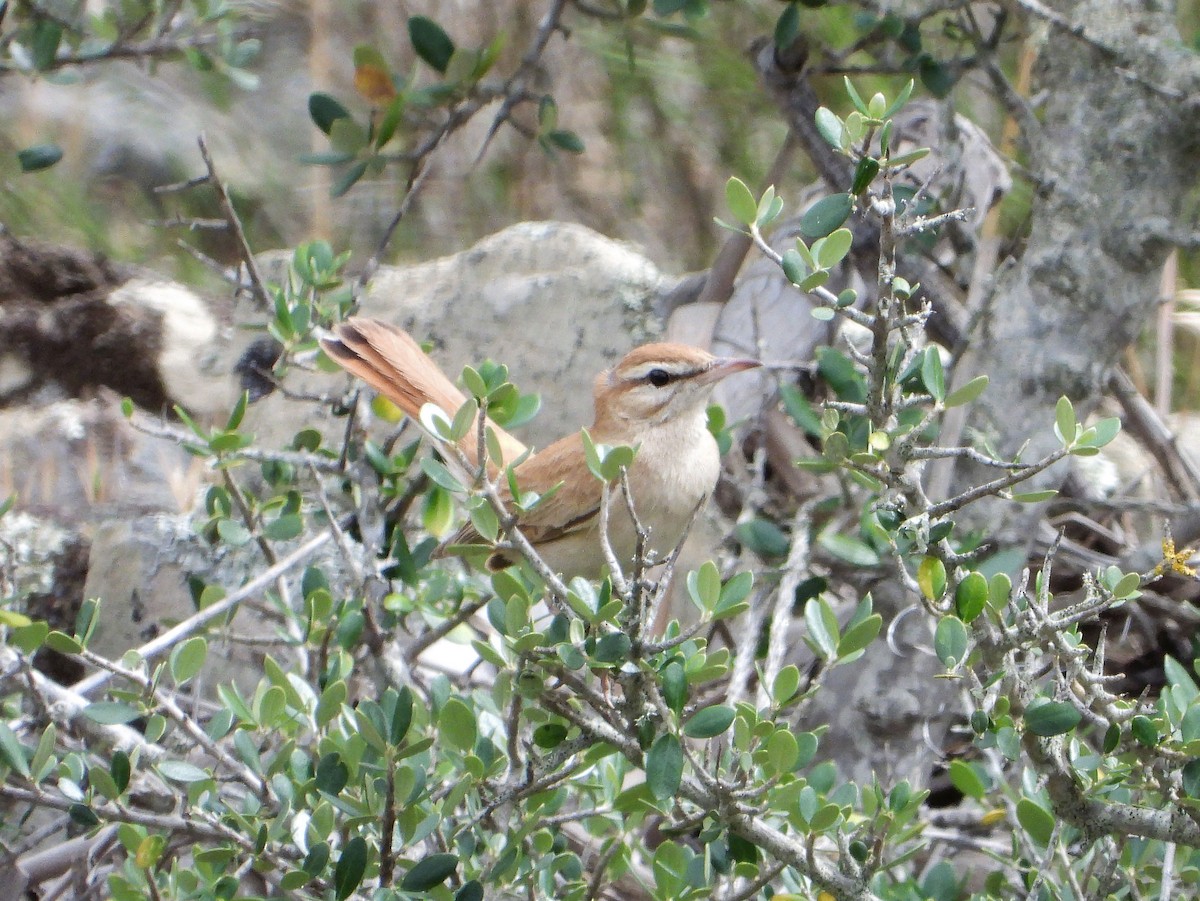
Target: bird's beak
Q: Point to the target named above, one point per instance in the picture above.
(724, 366)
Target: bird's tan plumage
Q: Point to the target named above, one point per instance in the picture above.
(653, 399)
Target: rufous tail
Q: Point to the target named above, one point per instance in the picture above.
(391, 362)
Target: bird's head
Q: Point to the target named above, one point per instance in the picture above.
(656, 383)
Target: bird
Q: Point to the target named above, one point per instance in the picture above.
(654, 399)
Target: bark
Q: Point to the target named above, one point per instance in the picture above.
(1115, 161)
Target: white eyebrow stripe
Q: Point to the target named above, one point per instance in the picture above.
(675, 370)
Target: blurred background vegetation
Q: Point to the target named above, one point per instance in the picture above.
(666, 107)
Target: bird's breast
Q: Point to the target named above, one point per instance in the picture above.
(677, 464)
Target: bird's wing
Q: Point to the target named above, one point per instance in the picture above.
(391, 362)
(572, 508)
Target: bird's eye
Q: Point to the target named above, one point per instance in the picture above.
(658, 377)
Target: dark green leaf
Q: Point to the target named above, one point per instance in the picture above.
(709, 722)
(400, 717)
(1143, 729)
(950, 641)
(971, 596)
(864, 174)
(332, 773)
(787, 29)
(430, 42)
(1191, 778)
(325, 110)
(938, 79)
(1052, 718)
(664, 767)
(1036, 820)
(826, 215)
(471, 891)
(674, 685)
(316, 859)
(613, 648)
(549, 735)
(39, 156)
(432, 871)
(47, 35)
(566, 140)
(83, 815)
(350, 868)
(763, 537)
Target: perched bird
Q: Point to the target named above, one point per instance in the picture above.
(654, 399)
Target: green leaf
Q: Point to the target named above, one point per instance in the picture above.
(1064, 421)
(800, 410)
(1191, 778)
(566, 140)
(348, 179)
(834, 248)
(967, 393)
(664, 767)
(857, 637)
(763, 537)
(1104, 431)
(325, 110)
(932, 373)
(709, 722)
(430, 42)
(826, 215)
(83, 815)
(350, 868)
(822, 627)
(864, 174)
(437, 471)
(457, 725)
(12, 752)
(120, 770)
(39, 156)
(332, 774)
(1052, 718)
(854, 96)
(848, 548)
(971, 596)
(950, 641)
(1034, 497)
(285, 527)
(182, 771)
(613, 648)
(429, 873)
(937, 77)
(931, 577)
(787, 683)
(1128, 586)
(111, 713)
(1143, 729)
(1036, 820)
(783, 750)
(740, 201)
(830, 126)
(966, 779)
(787, 29)
(47, 35)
